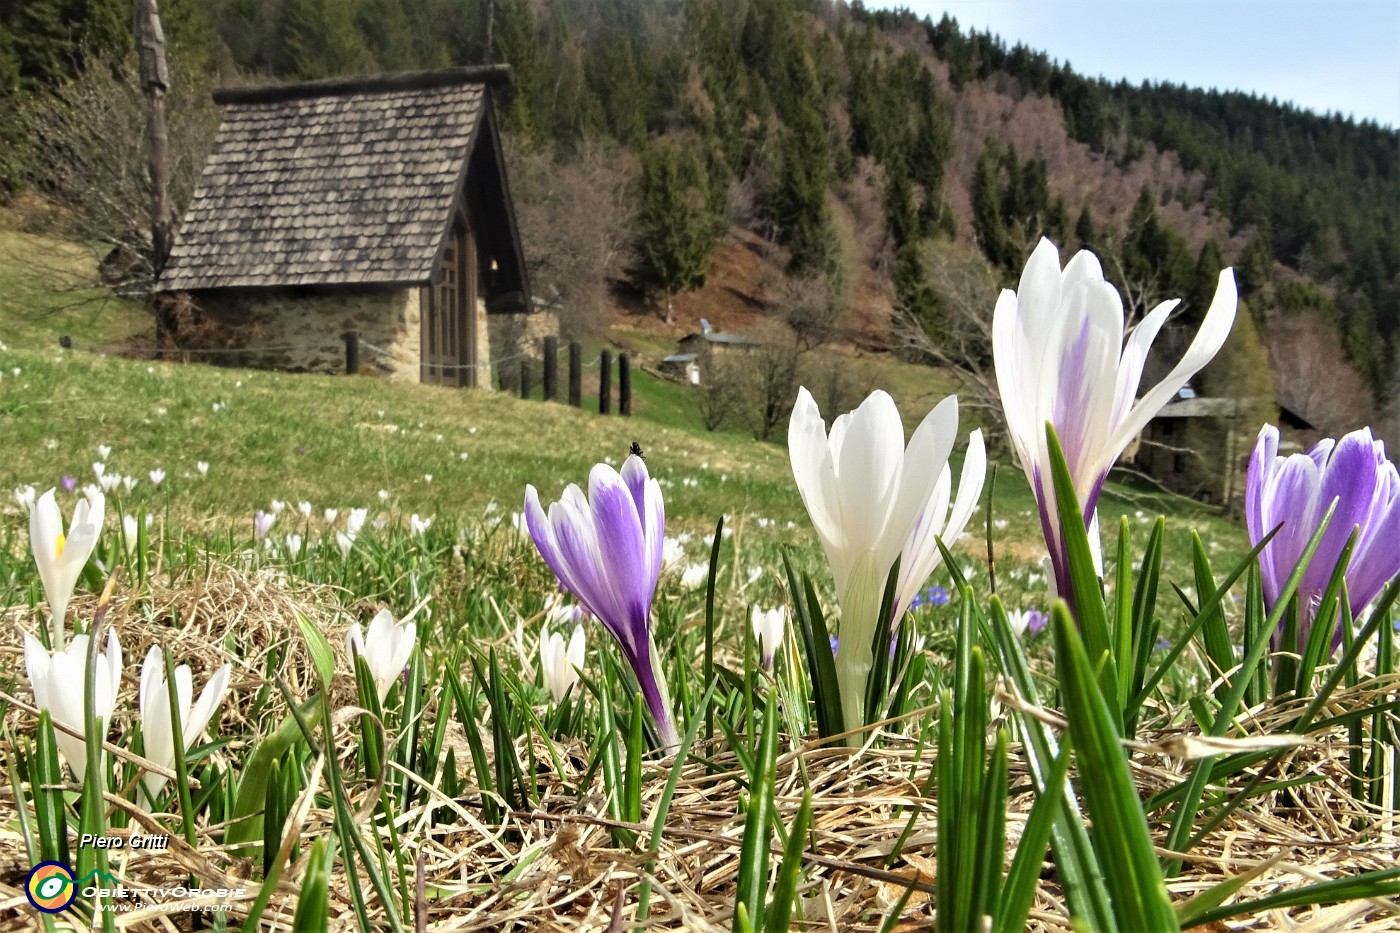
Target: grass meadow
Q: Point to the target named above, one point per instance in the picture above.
(465, 797)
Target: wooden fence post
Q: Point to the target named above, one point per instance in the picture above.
(575, 374)
(624, 386)
(352, 352)
(551, 368)
(525, 379)
(605, 382)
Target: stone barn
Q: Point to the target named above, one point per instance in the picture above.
(374, 205)
(697, 355)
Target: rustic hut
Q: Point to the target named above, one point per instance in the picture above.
(375, 205)
(697, 354)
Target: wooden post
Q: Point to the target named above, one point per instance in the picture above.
(575, 374)
(524, 378)
(352, 352)
(551, 369)
(605, 382)
(155, 82)
(624, 386)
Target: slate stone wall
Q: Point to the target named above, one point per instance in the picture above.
(299, 329)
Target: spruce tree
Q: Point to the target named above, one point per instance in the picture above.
(1084, 233)
(675, 233)
(987, 222)
(320, 39)
(797, 205)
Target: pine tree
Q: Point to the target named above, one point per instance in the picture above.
(912, 293)
(797, 205)
(1084, 233)
(987, 222)
(674, 231)
(386, 28)
(1204, 279)
(525, 104)
(933, 142)
(320, 39)
(1240, 372)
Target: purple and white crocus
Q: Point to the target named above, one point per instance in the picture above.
(1296, 491)
(606, 551)
(1060, 358)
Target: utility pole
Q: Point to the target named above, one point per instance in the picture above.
(155, 82)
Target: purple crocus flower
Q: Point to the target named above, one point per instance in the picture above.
(1061, 357)
(69, 483)
(1296, 491)
(606, 550)
(262, 522)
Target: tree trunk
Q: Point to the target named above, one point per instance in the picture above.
(155, 82)
(490, 21)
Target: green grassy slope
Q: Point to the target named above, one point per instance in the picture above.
(342, 442)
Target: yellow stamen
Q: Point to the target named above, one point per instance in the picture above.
(61, 540)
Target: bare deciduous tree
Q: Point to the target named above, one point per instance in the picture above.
(967, 287)
(1313, 377)
(774, 367)
(815, 307)
(721, 396)
(575, 216)
(84, 151)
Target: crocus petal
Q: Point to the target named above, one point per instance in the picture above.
(1061, 359)
(606, 550)
(1219, 319)
(921, 555)
(865, 490)
(209, 700)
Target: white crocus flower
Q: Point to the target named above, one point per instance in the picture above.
(330, 515)
(921, 555)
(131, 532)
(694, 575)
(344, 542)
(99, 469)
(864, 490)
(386, 647)
(58, 681)
(1060, 358)
(355, 521)
(202, 466)
(768, 626)
(672, 551)
(129, 483)
(24, 498)
(293, 545)
(110, 481)
(304, 508)
(155, 711)
(560, 665)
(157, 476)
(419, 525)
(61, 558)
(103, 451)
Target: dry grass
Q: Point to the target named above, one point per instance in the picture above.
(555, 867)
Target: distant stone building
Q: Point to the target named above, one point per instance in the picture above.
(376, 205)
(1200, 447)
(697, 354)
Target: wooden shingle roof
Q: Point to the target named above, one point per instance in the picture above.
(331, 183)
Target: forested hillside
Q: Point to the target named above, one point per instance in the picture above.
(874, 159)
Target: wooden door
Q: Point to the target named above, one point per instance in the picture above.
(449, 314)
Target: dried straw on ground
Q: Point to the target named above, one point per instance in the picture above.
(553, 867)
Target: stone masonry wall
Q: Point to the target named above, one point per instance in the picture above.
(301, 329)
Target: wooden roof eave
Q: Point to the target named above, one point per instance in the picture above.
(513, 230)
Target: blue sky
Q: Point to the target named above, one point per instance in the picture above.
(1338, 55)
